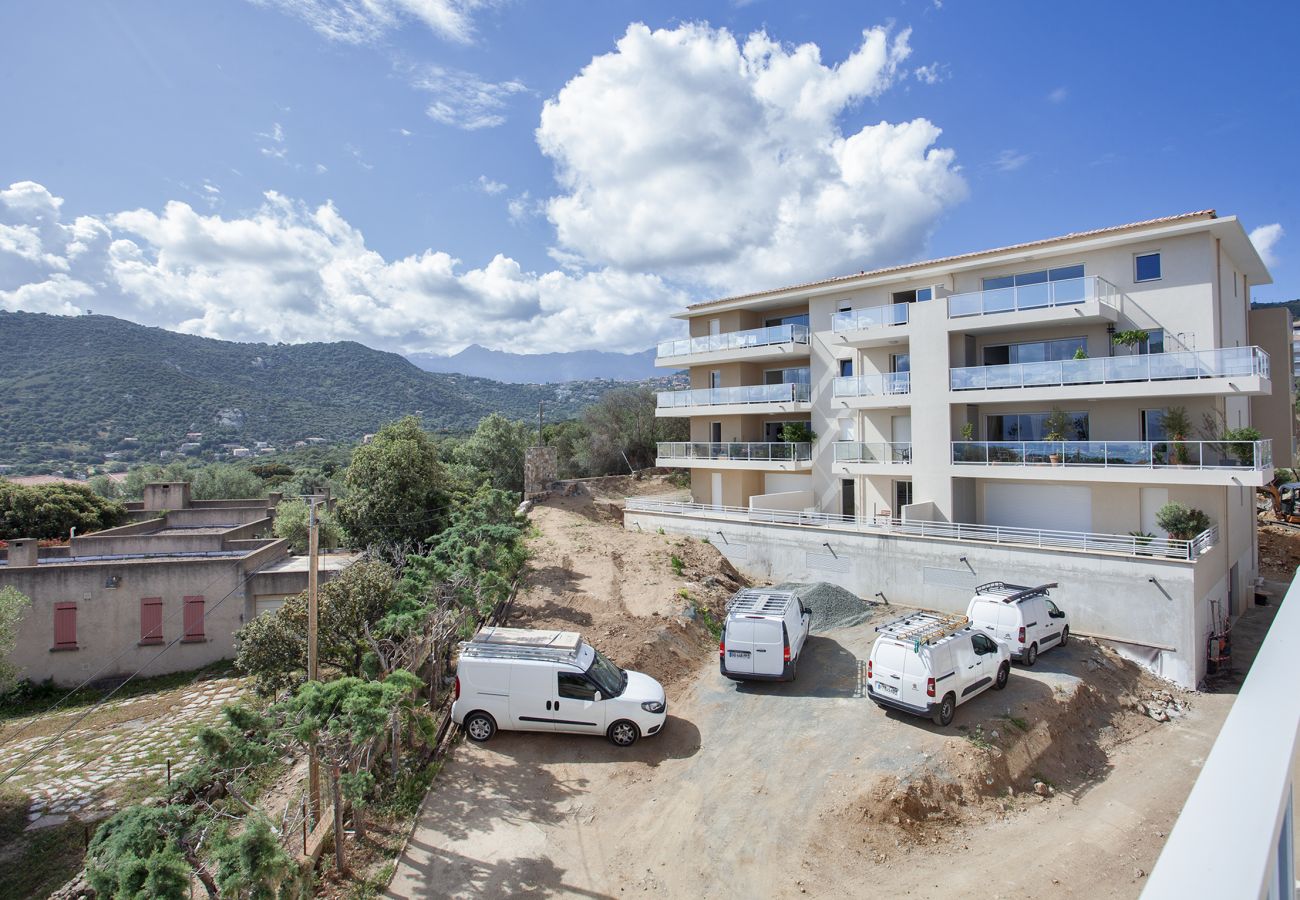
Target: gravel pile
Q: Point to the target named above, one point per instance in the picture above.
(832, 606)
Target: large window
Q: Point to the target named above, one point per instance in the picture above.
(1155, 342)
(1152, 425)
(1032, 427)
(801, 319)
(1033, 351)
(1146, 267)
(920, 295)
(787, 376)
(1062, 273)
(900, 362)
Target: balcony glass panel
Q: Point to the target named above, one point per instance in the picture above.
(758, 393)
(743, 451)
(736, 340)
(998, 299)
(870, 317)
(859, 452)
(881, 385)
(1117, 454)
(1225, 363)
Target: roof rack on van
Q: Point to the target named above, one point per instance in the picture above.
(523, 643)
(924, 628)
(1014, 593)
(758, 601)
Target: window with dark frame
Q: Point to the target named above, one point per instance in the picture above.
(1146, 267)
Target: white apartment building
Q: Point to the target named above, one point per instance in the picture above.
(976, 418)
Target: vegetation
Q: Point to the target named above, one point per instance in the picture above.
(14, 605)
(1177, 425)
(293, 523)
(1131, 338)
(1057, 424)
(798, 433)
(1182, 522)
(396, 487)
(496, 449)
(1241, 443)
(51, 511)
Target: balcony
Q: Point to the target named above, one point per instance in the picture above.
(735, 455)
(1232, 370)
(1072, 300)
(757, 398)
(872, 325)
(858, 458)
(756, 344)
(873, 391)
(1220, 463)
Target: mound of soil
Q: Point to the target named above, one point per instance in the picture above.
(832, 606)
(1279, 552)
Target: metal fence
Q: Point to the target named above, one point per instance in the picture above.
(895, 453)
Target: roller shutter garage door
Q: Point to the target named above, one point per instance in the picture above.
(1058, 507)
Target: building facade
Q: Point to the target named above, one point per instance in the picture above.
(1049, 396)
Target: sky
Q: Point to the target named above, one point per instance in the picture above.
(420, 175)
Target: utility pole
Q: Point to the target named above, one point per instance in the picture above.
(313, 673)
(541, 442)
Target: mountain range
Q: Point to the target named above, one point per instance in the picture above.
(541, 368)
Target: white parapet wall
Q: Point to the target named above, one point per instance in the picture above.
(1149, 604)
(798, 501)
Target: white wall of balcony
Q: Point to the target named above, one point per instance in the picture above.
(1076, 300)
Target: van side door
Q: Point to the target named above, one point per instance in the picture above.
(532, 692)
(970, 665)
(1052, 622)
(575, 706)
(1036, 621)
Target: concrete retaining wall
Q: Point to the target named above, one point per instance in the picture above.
(1148, 602)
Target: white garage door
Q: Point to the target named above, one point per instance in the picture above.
(1058, 507)
(265, 603)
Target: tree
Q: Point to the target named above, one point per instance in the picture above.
(394, 487)
(51, 511)
(293, 523)
(1182, 522)
(222, 481)
(13, 608)
(496, 448)
(624, 422)
(139, 852)
(252, 865)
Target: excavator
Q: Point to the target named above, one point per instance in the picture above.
(1283, 497)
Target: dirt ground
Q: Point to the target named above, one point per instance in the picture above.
(804, 789)
(1279, 552)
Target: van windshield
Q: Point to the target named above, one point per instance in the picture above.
(608, 677)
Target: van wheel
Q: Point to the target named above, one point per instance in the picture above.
(1065, 636)
(947, 709)
(1004, 672)
(480, 726)
(623, 733)
(794, 670)
(1031, 655)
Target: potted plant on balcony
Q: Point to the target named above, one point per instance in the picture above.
(1080, 353)
(1057, 423)
(1142, 541)
(968, 431)
(1177, 425)
(1181, 521)
(797, 433)
(1130, 339)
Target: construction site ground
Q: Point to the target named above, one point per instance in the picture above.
(1061, 785)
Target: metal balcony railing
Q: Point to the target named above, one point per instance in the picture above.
(1117, 454)
(881, 385)
(896, 453)
(1067, 292)
(793, 392)
(774, 451)
(961, 532)
(870, 317)
(1192, 364)
(735, 340)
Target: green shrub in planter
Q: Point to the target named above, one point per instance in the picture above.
(1182, 522)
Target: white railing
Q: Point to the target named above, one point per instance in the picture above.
(1237, 828)
(735, 340)
(881, 385)
(895, 453)
(870, 317)
(1067, 292)
(1192, 364)
(775, 451)
(1117, 454)
(1125, 544)
(793, 392)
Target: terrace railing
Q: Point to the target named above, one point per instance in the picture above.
(736, 340)
(1192, 364)
(870, 317)
(776, 451)
(791, 392)
(1117, 454)
(895, 453)
(1068, 292)
(882, 385)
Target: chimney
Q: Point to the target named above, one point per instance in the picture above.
(166, 495)
(23, 552)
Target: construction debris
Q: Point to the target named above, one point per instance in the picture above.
(832, 606)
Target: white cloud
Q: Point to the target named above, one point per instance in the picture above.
(688, 154)
(404, 132)
(368, 21)
(1265, 239)
(321, 169)
(1058, 95)
(488, 186)
(274, 142)
(289, 272)
(211, 188)
(1010, 160)
(462, 99)
(934, 73)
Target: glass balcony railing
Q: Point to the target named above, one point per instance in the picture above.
(881, 385)
(1117, 454)
(870, 317)
(1067, 292)
(1191, 364)
(859, 452)
(735, 340)
(741, 451)
(747, 394)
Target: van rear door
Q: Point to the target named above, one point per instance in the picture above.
(769, 647)
(1010, 619)
(532, 692)
(984, 615)
(888, 661)
(740, 646)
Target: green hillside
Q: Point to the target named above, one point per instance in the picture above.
(74, 388)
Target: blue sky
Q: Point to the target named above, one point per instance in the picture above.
(423, 174)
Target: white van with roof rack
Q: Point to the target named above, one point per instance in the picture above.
(521, 679)
(928, 664)
(1024, 618)
(763, 635)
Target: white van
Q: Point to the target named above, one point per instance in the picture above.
(520, 679)
(1023, 618)
(928, 664)
(763, 635)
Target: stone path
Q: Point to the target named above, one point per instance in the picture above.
(78, 774)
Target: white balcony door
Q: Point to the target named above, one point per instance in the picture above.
(715, 327)
(1152, 500)
(716, 485)
(901, 428)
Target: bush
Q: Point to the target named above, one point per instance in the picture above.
(1182, 522)
(51, 511)
(293, 523)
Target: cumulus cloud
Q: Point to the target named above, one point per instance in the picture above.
(462, 99)
(1265, 239)
(368, 21)
(691, 154)
(488, 186)
(290, 272)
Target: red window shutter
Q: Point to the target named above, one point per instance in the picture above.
(193, 618)
(151, 620)
(65, 625)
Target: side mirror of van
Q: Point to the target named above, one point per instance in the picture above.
(597, 697)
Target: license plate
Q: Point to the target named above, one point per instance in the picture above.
(887, 688)
(739, 654)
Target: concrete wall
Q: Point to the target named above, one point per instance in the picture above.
(1274, 414)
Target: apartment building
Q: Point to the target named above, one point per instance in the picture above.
(1034, 404)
